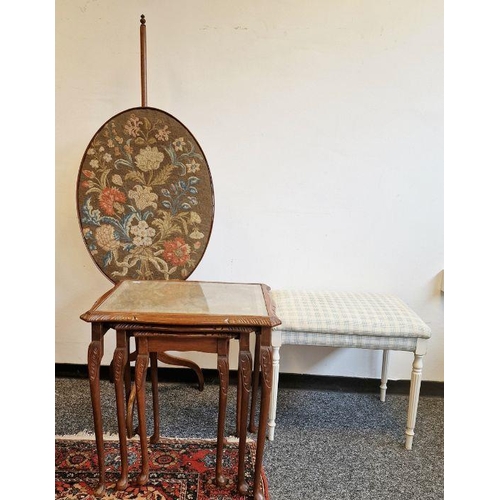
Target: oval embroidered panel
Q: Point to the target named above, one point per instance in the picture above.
(145, 197)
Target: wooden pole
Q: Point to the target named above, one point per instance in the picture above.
(144, 91)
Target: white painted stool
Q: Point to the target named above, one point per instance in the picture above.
(345, 319)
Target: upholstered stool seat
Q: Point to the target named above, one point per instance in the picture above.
(350, 319)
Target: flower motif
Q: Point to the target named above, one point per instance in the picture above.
(91, 152)
(94, 163)
(163, 133)
(179, 144)
(176, 251)
(143, 234)
(116, 179)
(119, 139)
(149, 159)
(143, 197)
(194, 218)
(89, 174)
(110, 143)
(192, 166)
(196, 235)
(107, 157)
(107, 200)
(132, 126)
(106, 237)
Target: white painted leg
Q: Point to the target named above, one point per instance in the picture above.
(416, 379)
(383, 379)
(276, 344)
(271, 424)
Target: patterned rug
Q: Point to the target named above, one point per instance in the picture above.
(179, 470)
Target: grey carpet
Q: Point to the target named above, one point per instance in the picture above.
(328, 444)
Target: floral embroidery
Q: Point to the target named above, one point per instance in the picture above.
(132, 126)
(179, 144)
(106, 238)
(145, 197)
(162, 134)
(192, 167)
(149, 159)
(194, 218)
(116, 179)
(143, 234)
(177, 251)
(196, 235)
(109, 200)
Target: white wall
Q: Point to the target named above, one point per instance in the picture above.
(322, 123)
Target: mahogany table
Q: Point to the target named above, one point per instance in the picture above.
(181, 310)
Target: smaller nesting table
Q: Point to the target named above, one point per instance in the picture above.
(201, 315)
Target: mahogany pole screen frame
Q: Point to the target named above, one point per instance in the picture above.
(144, 84)
(145, 194)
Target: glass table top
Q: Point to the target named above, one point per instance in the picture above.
(185, 297)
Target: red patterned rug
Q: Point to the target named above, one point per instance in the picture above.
(179, 470)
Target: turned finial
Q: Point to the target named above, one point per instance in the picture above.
(143, 19)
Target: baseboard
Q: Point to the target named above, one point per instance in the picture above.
(287, 380)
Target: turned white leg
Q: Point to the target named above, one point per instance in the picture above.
(416, 380)
(271, 424)
(383, 378)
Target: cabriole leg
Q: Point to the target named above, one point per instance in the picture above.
(255, 385)
(94, 357)
(223, 368)
(119, 363)
(245, 385)
(156, 403)
(141, 367)
(266, 371)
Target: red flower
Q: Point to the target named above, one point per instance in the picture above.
(89, 174)
(107, 199)
(176, 252)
